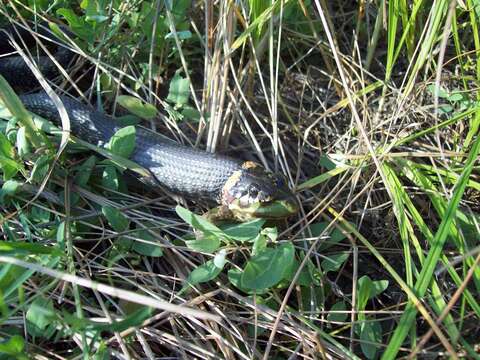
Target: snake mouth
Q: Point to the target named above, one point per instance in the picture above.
(277, 209)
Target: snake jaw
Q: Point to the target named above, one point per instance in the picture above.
(252, 192)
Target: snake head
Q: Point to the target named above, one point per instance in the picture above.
(252, 192)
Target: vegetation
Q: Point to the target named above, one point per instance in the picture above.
(370, 109)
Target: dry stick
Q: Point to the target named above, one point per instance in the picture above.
(447, 309)
(109, 290)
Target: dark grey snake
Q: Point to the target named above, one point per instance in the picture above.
(240, 186)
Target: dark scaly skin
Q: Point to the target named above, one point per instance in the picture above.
(244, 190)
(181, 169)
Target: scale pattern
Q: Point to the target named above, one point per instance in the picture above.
(183, 170)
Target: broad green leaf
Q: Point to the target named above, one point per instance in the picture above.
(309, 275)
(26, 248)
(61, 235)
(41, 313)
(81, 28)
(338, 317)
(127, 120)
(6, 149)
(455, 96)
(220, 259)
(23, 146)
(441, 93)
(378, 286)
(9, 188)
(235, 278)
(271, 233)
(204, 273)
(182, 35)
(137, 106)
(335, 234)
(9, 167)
(191, 114)
(370, 336)
(147, 249)
(364, 292)
(122, 143)
(84, 171)
(115, 218)
(14, 347)
(179, 90)
(40, 169)
(246, 231)
(259, 244)
(110, 178)
(19, 113)
(207, 243)
(200, 223)
(268, 268)
(334, 262)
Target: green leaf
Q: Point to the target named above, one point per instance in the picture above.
(182, 35)
(364, 291)
(200, 223)
(80, 27)
(127, 120)
(441, 92)
(370, 336)
(7, 163)
(110, 178)
(84, 171)
(179, 90)
(23, 146)
(338, 317)
(259, 244)
(122, 143)
(9, 167)
(25, 248)
(220, 259)
(378, 287)
(41, 313)
(147, 249)
(9, 188)
(368, 289)
(14, 347)
(309, 275)
(456, 96)
(336, 235)
(115, 218)
(137, 107)
(207, 243)
(191, 114)
(244, 231)
(40, 169)
(268, 268)
(6, 149)
(334, 262)
(204, 273)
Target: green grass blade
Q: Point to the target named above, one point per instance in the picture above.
(433, 257)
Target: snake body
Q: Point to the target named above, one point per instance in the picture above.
(179, 168)
(183, 170)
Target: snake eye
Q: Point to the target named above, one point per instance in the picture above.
(253, 191)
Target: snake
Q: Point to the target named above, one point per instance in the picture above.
(243, 190)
